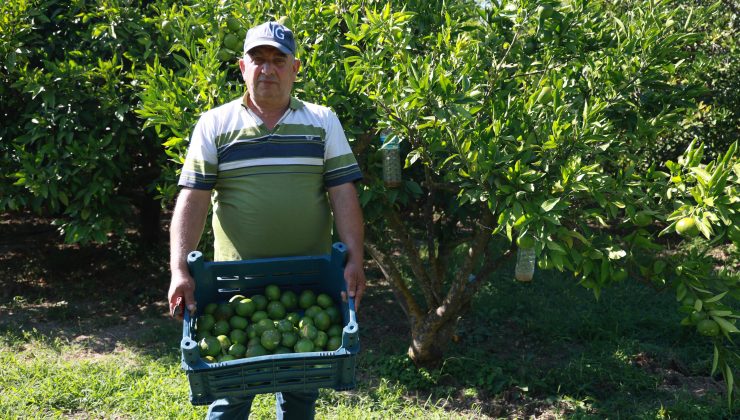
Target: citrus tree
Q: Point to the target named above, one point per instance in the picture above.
(520, 124)
(527, 120)
(72, 147)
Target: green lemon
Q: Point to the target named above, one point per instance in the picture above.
(275, 310)
(198, 31)
(233, 24)
(246, 307)
(708, 327)
(260, 301)
(221, 327)
(232, 42)
(320, 341)
(334, 314)
(620, 275)
(270, 339)
(264, 325)
(306, 299)
(225, 54)
(238, 336)
(205, 323)
(312, 311)
(545, 95)
(334, 331)
(324, 300)
(224, 342)
(223, 311)
(210, 346)
(210, 308)
(289, 299)
(282, 350)
(303, 345)
(288, 339)
(309, 331)
(642, 218)
(294, 318)
(272, 292)
(687, 227)
(306, 320)
(255, 350)
(285, 325)
(237, 322)
(237, 350)
(226, 358)
(334, 343)
(696, 316)
(259, 316)
(322, 321)
(251, 331)
(545, 11)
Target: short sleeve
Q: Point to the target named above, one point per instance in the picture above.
(201, 162)
(340, 165)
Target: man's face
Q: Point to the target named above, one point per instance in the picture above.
(269, 74)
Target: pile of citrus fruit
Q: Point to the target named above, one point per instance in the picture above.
(271, 323)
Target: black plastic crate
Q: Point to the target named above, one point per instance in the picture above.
(219, 281)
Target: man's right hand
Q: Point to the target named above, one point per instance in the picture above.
(181, 294)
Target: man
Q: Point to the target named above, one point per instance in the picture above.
(270, 160)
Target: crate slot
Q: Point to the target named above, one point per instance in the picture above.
(229, 278)
(257, 384)
(231, 290)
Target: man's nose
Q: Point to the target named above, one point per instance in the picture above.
(267, 68)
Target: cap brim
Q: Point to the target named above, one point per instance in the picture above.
(270, 43)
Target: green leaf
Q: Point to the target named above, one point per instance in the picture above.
(550, 204)
(352, 47)
(726, 325)
(715, 298)
(554, 246)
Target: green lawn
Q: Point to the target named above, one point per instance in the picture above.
(84, 334)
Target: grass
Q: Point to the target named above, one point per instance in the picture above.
(76, 343)
(54, 379)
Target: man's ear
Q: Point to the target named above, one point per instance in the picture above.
(296, 65)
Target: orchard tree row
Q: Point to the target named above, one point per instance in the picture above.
(601, 133)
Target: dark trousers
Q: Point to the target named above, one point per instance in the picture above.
(289, 406)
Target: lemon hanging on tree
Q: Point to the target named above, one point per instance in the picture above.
(687, 227)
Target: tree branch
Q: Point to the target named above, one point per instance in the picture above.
(403, 294)
(412, 252)
(457, 296)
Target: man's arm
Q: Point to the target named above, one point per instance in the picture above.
(188, 220)
(348, 219)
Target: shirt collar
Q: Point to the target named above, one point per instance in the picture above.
(294, 104)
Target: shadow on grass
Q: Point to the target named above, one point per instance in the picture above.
(550, 348)
(100, 296)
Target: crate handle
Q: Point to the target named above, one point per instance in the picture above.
(190, 350)
(350, 332)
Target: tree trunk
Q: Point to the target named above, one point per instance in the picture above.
(430, 338)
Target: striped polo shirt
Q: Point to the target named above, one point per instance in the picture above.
(269, 186)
